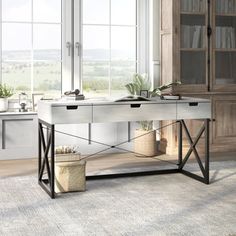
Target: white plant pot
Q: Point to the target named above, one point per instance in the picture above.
(3, 104)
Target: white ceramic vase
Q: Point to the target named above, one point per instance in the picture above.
(3, 104)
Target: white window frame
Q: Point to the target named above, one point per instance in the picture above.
(72, 33)
(72, 65)
(1, 42)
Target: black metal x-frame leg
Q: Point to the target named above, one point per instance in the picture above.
(47, 164)
(46, 145)
(182, 161)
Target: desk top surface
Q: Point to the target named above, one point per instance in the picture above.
(104, 111)
(97, 102)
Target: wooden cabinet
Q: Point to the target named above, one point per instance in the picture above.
(224, 126)
(198, 48)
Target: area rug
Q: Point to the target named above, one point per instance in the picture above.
(141, 206)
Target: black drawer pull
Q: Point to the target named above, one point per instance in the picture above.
(135, 105)
(193, 104)
(71, 107)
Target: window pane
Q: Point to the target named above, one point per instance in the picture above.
(95, 79)
(96, 12)
(193, 67)
(121, 74)
(47, 11)
(16, 41)
(47, 42)
(225, 70)
(192, 31)
(16, 10)
(123, 12)
(96, 43)
(123, 46)
(197, 6)
(47, 78)
(17, 75)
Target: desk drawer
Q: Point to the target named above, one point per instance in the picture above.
(193, 110)
(71, 114)
(133, 112)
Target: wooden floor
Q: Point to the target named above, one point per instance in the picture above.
(101, 163)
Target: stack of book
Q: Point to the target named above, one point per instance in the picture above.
(192, 36)
(73, 97)
(225, 37)
(193, 5)
(226, 6)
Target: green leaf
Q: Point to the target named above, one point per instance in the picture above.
(5, 91)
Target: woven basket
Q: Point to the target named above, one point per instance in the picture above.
(69, 173)
(145, 144)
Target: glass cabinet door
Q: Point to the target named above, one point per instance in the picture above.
(224, 43)
(193, 42)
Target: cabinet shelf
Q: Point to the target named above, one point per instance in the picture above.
(193, 49)
(225, 49)
(226, 14)
(192, 13)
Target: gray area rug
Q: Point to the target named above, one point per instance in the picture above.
(152, 205)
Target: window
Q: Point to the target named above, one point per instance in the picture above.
(31, 45)
(109, 56)
(51, 46)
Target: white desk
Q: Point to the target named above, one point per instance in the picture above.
(51, 113)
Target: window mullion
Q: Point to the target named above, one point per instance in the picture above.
(80, 41)
(66, 37)
(136, 39)
(142, 39)
(109, 47)
(32, 47)
(77, 26)
(0, 41)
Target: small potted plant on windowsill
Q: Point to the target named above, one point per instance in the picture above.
(5, 93)
(145, 136)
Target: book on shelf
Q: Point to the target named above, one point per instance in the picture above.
(202, 5)
(232, 35)
(192, 36)
(196, 36)
(203, 33)
(225, 6)
(217, 6)
(231, 6)
(218, 37)
(192, 5)
(225, 37)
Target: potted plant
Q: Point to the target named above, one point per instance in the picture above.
(145, 137)
(141, 82)
(5, 93)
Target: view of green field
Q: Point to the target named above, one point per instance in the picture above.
(96, 77)
(45, 76)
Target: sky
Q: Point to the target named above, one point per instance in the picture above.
(48, 36)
